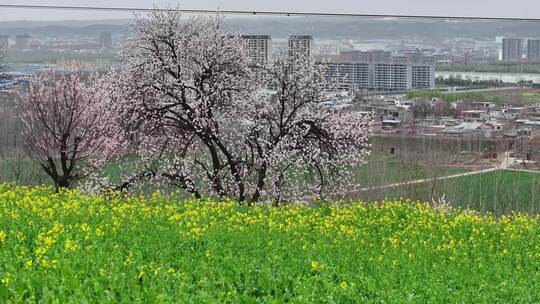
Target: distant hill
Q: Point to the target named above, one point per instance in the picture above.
(363, 28)
(320, 27)
(63, 30)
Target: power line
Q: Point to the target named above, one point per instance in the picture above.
(267, 13)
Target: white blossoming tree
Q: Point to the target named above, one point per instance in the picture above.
(196, 116)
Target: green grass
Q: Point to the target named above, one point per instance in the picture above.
(532, 96)
(380, 169)
(74, 248)
(23, 172)
(499, 192)
(383, 170)
(508, 96)
(492, 68)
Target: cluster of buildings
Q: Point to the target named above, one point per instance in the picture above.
(25, 42)
(513, 50)
(462, 118)
(22, 42)
(510, 127)
(355, 70)
(462, 51)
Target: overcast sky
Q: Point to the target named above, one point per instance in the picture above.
(487, 8)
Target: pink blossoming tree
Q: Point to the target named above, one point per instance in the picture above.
(66, 124)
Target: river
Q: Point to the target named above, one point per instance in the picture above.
(505, 77)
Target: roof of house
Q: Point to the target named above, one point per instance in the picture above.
(469, 126)
(533, 123)
(474, 111)
(465, 127)
(387, 121)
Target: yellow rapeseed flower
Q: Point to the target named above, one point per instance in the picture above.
(71, 245)
(85, 227)
(28, 264)
(48, 241)
(128, 260)
(344, 285)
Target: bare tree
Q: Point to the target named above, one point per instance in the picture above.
(65, 123)
(196, 116)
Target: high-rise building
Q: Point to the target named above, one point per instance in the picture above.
(378, 56)
(353, 56)
(429, 60)
(512, 50)
(259, 48)
(400, 59)
(414, 57)
(22, 42)
(368, 56)
(347, 74)
(423, 76)
(301, 45)
(105, 40)
(380, 76)
(392, 77)
(533, 50)
(468, 58)
(354, 70)
(4, 42)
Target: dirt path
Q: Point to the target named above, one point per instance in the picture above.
(427, 180)
(504, 165)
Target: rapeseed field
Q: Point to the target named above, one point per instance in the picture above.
(70, 247)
